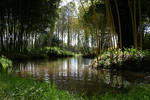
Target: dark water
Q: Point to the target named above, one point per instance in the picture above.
(75, 75)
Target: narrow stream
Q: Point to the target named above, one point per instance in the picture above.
(75, 75)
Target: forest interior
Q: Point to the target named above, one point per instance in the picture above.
(74, 49)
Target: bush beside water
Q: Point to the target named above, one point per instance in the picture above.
(57, 52)
(113, 58)
(40, 53)
(4, 63)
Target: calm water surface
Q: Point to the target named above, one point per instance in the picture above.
(75, 75)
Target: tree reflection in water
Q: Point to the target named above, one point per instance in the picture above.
(75, 75)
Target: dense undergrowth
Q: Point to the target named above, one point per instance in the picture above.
(117, 58)
(46, 52)
(49, 52)
(55, 51)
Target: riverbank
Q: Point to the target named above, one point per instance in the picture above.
(129, 59)
(40, 53)
(15, 88)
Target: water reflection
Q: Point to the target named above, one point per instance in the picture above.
(74, 74)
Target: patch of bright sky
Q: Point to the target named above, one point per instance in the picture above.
(64, 2)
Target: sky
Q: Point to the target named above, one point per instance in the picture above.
(64, 2)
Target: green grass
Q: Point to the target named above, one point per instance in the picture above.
(137, 93)
(15, 88)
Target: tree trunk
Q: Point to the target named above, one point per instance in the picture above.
(140, 25)
(68, 42)
(119, 23)
(97, 27)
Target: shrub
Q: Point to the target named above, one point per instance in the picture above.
(56, 52)
(5, 63)
(118, 57)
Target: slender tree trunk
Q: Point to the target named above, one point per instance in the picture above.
(140, 23)
(135, 26)
(95, 19)
(62, 38)
(68, 42)
(2, 32)
(58, 32)
(2, 43)
(119, 23)
(110, 23)
(78, 37)
(133, 17)
(97, 27)
(14, 34)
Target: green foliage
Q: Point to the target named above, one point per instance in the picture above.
(41, 53)
(56, 52)
(4, 63)
(37, 53)
(146, 42)
(138, 93)
(118, 57)
(28, 18)
(56, 41)
(14, 88)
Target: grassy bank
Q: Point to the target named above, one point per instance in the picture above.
(136, 93)
(15, 88)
